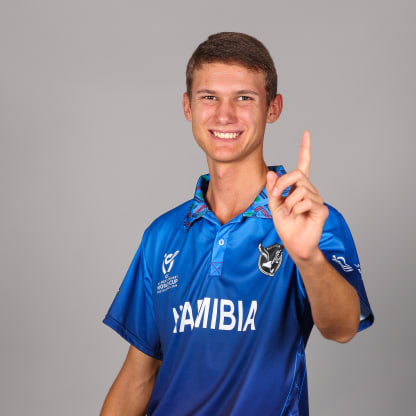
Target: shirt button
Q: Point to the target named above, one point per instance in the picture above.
(221, 242)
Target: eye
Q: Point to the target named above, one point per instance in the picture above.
(244, 98)
(208, 97)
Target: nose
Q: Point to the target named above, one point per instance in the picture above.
(225, 112)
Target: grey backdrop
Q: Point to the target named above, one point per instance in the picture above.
(94, 146)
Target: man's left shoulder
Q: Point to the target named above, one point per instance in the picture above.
(335, 219)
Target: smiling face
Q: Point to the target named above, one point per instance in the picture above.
(229, 111)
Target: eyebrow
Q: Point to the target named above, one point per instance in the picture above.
(205, 92)
(240, 92)
(247, 92)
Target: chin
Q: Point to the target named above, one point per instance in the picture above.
(224, 158)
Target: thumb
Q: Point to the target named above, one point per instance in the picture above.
(274, 200)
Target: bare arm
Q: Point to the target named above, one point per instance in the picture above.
(334, 302)
(299, 220)
(131, 390)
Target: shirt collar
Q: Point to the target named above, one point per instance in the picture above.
(198, 207)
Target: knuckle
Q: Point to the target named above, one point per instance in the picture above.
(299, 173)
(289, 202)
(280, 181)
(295, 209)
(308, 202)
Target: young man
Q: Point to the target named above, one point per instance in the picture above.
(222, 294)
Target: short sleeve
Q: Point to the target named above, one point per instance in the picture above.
(131, 314)
(338, 247)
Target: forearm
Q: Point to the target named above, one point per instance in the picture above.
(129, 395)
(125, 400)
(334, 302)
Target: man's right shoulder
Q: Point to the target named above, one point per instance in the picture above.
(169, 222)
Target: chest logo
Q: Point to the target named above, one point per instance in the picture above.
(168, 282)
(270, 258)
(168, 261)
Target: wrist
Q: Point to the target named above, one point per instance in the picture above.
(315, 259)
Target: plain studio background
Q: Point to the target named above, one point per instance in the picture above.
(94, 146)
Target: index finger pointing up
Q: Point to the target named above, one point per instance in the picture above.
(304, 161)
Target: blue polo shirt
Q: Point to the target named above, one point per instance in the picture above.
(225, 309)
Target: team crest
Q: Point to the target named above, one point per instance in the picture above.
(270, 258)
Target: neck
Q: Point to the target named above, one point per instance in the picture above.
(233, 186)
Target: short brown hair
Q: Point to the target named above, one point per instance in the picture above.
(237, 48)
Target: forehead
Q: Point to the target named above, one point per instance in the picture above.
(222, 76)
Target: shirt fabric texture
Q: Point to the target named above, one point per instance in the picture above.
(225, 309)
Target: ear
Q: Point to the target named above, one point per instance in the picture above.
(275, 108)
(186, 104)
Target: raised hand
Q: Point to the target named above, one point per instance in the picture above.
(299, 218)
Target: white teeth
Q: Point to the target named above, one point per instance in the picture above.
(225, 135)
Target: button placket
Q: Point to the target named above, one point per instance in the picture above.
(218, 251)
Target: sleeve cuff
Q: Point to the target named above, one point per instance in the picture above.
(130, 337)
(366, 316)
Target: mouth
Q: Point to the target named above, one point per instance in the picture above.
(226, 135)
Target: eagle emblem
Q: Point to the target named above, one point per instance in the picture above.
(270, 258)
